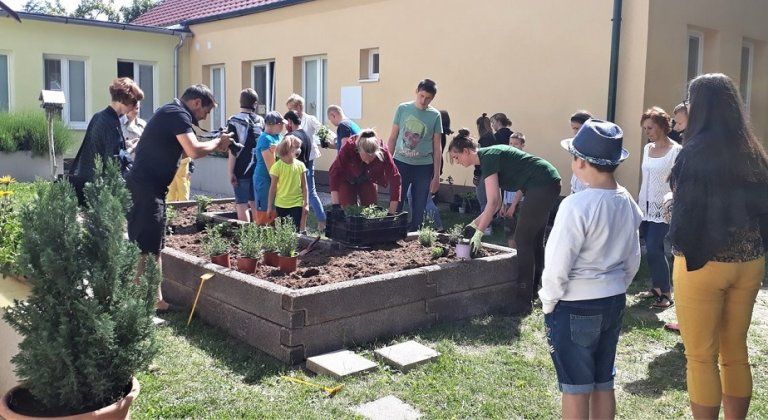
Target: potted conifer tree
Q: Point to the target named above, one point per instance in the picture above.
(87, 326)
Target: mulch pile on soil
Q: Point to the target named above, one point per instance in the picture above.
(319, 266)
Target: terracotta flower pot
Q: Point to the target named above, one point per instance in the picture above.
(288, 264)
(222, 260)
(247, 265)
(270, 259)
(463, 251)
(118, 410)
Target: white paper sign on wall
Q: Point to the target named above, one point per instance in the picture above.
(352, 101)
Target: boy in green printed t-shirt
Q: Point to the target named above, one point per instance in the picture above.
(415, 143)
(288, 189)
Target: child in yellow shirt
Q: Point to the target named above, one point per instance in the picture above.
(288, 189)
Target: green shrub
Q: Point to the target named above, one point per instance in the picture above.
(87, 326)
(251, 242)
(13, 196)
(285, 237)
(28, 130)
(214, 242)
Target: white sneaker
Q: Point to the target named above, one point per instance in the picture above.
(488, 231)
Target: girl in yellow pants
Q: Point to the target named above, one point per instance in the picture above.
(719, 235)
(179, 188)
(714, 309)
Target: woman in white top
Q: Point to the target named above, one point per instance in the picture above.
(658, 158)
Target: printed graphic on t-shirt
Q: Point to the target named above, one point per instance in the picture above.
(412, 136)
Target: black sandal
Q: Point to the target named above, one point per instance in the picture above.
(663, 302)
(652, 293)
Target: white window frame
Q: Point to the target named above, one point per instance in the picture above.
(222, 103)
(9, 70)
(269, 101)
(76, 125)
(700, 54)
(137, 78)
(320, 76)
(746, 95)
(371, 74)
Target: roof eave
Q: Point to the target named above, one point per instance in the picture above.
(101, 24)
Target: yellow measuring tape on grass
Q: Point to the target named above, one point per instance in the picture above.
(203, 278)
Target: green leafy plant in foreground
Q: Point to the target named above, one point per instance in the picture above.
(87, 326)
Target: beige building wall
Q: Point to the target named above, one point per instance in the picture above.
(28, 42)
(533, 60)
(726, 25)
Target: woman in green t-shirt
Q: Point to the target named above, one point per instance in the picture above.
(507, 168)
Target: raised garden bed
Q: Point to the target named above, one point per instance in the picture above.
(339, 297)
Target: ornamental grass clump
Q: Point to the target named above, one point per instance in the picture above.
(87, 325)
(27, 130)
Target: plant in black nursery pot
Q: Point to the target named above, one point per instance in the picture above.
(87, 325)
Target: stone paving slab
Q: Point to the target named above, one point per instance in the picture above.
(340, 364)
(406, 356)
(387, 408)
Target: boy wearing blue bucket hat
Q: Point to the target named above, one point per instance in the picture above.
(592, 255)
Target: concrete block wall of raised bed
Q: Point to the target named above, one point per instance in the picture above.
(293, 324)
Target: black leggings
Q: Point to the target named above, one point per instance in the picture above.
(529, 234)
(294, 213)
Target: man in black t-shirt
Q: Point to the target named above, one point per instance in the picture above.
(167, 137)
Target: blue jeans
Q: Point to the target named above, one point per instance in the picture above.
(657, 259)
(314, 199)
(582, 337)
(431, 211)
(482, 197)
(415, 178)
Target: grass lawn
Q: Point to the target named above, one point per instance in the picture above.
(491, 367)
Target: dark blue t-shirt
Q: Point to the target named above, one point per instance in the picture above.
(346, 129)
(158, 151)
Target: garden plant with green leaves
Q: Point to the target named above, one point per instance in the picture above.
(87, 325)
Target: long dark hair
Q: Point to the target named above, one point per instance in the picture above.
(483, 125)
(717, 121)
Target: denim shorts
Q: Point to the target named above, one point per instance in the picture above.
(244, 191)
(261, 192)
(582, 338)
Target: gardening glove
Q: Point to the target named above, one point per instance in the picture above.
(474, 235)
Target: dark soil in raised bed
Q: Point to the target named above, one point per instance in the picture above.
(320, 266)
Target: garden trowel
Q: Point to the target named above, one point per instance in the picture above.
(329, 391)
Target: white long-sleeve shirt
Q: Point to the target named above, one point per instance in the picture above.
(593, 250)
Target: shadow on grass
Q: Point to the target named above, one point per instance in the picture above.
(239, 357)
(498, 329)
(666, 371)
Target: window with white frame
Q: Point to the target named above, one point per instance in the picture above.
(695, 54)
(745, 80)
(314, 83)
(68, 75)
(218, 86)
(369, 64)
(373, 64)
(143, 73)
(263, 82)
(5, 84)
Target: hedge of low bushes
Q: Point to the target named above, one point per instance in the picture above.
(28, 130)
